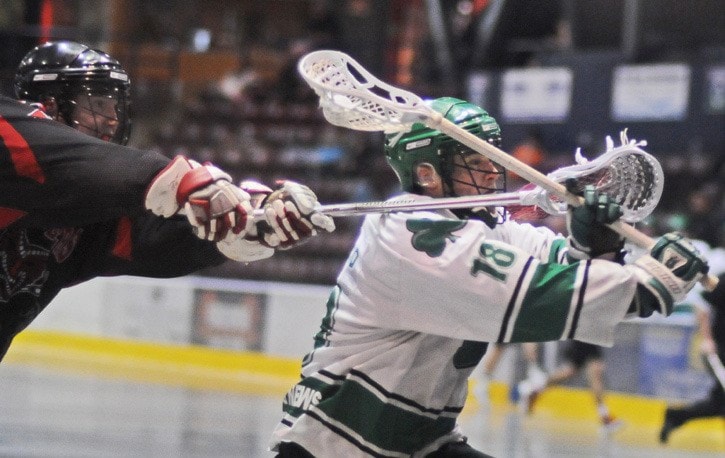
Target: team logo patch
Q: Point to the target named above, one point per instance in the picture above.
(430, 236)
(64, 241)
(23, 264)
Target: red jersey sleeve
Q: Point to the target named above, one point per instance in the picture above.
(54, 176)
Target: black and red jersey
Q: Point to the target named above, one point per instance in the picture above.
(71, 209)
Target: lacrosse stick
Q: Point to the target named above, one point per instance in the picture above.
(351, 97)
(631, 176)
(717, 368)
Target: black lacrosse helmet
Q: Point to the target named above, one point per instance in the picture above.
(67, 71)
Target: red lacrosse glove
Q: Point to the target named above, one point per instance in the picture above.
(291, 218)
(216, 208)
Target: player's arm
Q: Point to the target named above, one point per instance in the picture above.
(221, 211)
(497, 291)
(152, 246)
(58, 176)
(53, 175)
(451, 278)
(664, 276)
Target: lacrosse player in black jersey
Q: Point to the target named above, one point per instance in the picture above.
(76, 204)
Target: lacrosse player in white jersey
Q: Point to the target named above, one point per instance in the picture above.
(422, 294)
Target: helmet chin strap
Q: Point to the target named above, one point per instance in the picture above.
(484, 214)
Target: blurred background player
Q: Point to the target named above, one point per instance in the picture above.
(422, 294)
(530, 354)
(576, 356)
(76, 204)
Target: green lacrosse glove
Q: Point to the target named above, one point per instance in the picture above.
(666, 275)
(589, 237)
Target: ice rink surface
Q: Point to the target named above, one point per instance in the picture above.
(50, 413)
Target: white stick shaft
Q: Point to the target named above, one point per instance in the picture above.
(717, 368)
(407, 205)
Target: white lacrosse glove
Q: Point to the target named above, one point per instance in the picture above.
(290, 216)
(244, 250)
(249, 248)
(216, 208)
(666, 275)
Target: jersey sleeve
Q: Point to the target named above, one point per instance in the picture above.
(52, 175)
(462, 280)
(165, 248)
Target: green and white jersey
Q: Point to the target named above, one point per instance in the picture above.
(418, 298)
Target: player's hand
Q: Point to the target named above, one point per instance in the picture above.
(291, 218)
(249, 247)
(666, 275)
(216, 208)
(589, 237)
(258, 193)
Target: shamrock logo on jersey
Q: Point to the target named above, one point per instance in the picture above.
(430, 236)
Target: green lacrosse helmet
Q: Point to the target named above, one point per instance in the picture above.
(423, 144)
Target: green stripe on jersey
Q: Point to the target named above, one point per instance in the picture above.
(546, 305)
(378, 422)
(556, 247)
(328, 321)
(382, 424)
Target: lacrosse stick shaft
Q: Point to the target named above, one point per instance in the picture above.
(515, 198)
(408, 205)
(717, 368)
(417, 205)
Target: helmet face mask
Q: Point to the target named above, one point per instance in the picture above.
(73, 80)
(99, 114)
(447, 156)
(471, 173)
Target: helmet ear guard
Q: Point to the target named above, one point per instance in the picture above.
(64, 71)
(424, 176)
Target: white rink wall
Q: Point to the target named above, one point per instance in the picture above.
(274, 318)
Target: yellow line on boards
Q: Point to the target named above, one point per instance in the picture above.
(179, 365)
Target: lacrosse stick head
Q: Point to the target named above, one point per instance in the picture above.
(628, 174)
(351, 97)
(406, 150)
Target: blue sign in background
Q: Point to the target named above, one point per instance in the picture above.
(665, 368)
